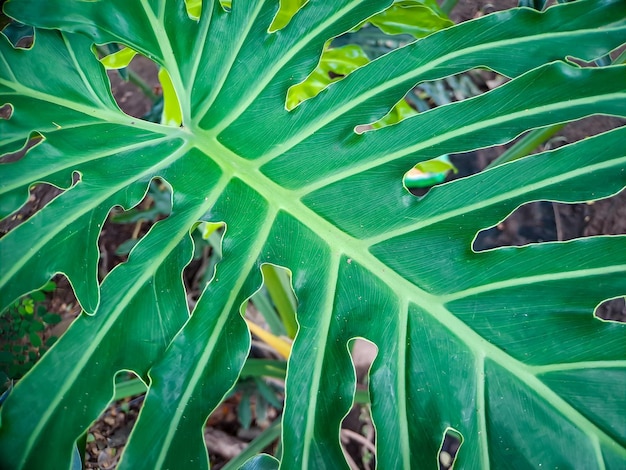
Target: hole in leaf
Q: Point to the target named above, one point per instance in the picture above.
(63, 302)
(469, 163)
(20, 36)
(123, 229)
(398, 25)
(358, 438)
(134, 82)
(357, 429)
(452, 441)
(431, 94)
(533, 222)
(19, 152)
(207, 238)
(30, 326)
(274, 306)
(543, 221)
(247, 411)
(374, 37)
(39, 195)
(6, 110)
(335, 64)
(363, 353)
(612, 310)
(140, 87)
(107, 436)
(271, 314)
(419, 179)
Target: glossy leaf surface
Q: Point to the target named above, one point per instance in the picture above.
(500, 346)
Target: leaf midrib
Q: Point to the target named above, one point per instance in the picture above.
(225, 70)
(342, 243)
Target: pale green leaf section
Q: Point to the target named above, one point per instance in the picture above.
(413, 17)
(119, 59)
(172, 115)
(334, 65)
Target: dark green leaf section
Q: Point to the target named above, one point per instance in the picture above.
(449, 224)
(514, 407)
(102, 22)
(91, 352)
(287, 58)
(580, 29)
(83, 209)
(537, 98)
(593, 392)
(73, 105)
(208, 353)
(145, 294)
(444, 387)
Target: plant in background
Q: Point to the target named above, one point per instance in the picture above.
(499, 348)
(21, 326)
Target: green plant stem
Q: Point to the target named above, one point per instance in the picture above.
(264, 368)
(526, 144)
(282, 297)
(256, 446)
(136, 79)
(129, 388)
(362, 396)
(263, 305)
(448, 5)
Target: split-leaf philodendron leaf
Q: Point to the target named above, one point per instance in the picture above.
(500, 346)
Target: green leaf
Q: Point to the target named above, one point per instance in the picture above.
(334, 65)
(286, 11)
(5, 357)
(119, 59)
(125, 247)
(399, 112)
(429, 172)
(194, 8)
(52, 318)
(171, 107)
(35, 326)
(261, 462)
(410, 17)
(35, 340)
(500, 347)
(49, 286)
(37, 296)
